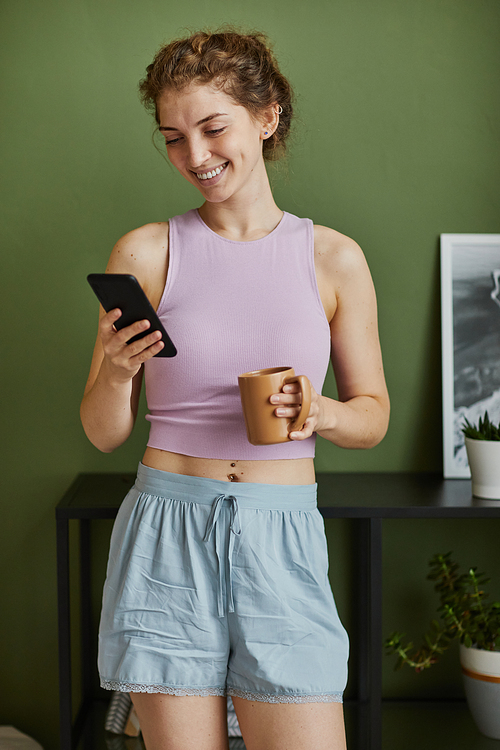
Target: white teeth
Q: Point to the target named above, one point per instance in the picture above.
(213, 173)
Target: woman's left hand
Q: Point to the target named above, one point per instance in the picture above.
(288, 407)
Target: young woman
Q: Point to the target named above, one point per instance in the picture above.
(217, 577)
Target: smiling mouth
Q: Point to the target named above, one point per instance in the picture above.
(211, 174)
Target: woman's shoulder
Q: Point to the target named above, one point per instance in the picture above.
(337, 253)
(143, 252)
(137, 245)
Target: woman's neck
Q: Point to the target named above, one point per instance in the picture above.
(243, 217)
(240, 226)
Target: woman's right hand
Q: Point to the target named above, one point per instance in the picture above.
(125, 360)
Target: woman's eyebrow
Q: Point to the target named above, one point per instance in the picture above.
(200, 122)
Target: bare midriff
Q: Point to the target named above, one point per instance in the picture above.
(287, 471)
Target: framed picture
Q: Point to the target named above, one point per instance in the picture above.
(470, 317)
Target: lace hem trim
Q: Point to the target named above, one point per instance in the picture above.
(286, 698)
(132, 687)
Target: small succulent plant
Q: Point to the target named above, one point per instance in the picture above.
(485, 430)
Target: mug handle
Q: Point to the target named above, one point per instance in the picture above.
(305, 388)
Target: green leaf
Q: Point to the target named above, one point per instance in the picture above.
(485, 430)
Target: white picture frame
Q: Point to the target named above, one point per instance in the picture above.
(470, 336)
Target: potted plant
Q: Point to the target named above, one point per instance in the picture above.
(466, 614)
(482, 442)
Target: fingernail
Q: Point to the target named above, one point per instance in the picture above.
(280, 412)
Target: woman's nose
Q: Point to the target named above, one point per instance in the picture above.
(198, 152)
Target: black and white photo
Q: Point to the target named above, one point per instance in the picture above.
(470, 307)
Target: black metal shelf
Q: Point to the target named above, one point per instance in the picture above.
(366, 498)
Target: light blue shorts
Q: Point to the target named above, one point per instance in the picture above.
(217, 588)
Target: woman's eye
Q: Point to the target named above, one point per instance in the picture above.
(172, 141)
(218, 131)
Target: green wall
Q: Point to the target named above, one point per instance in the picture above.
(396, 141)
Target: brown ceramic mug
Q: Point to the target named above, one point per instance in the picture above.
(256, 388)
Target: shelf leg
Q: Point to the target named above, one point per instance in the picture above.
(86, 609)
(370, 632)
(65, 703)
(376, 633)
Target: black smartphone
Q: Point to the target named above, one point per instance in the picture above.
(122, 290)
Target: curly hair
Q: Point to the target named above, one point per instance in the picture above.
(243, 65)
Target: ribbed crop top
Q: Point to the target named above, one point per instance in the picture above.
(231, 307)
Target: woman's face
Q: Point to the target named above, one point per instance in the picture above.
(213, 142)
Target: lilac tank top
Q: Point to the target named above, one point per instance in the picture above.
(231, 307)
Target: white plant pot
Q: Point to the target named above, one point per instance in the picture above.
(481, 673)
(484, 462)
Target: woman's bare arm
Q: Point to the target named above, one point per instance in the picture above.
(360, 416)
(110, 402)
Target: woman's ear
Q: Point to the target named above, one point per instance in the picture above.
(270, 120)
